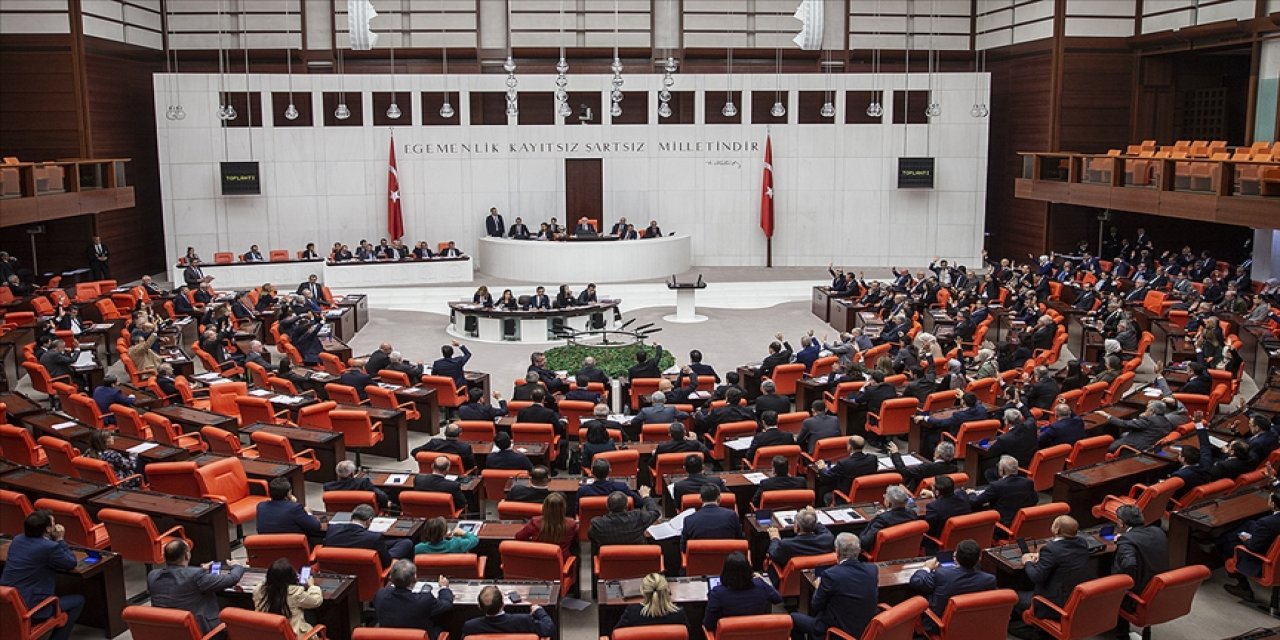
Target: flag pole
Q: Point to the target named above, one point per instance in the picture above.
(768, 241)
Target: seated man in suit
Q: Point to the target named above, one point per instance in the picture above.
(811, 539)
(584, 228)
(399, 363)
(779, 353)
(770, 400)
(656, 413)
(1142, 552)
(356, 535)
(540, 413)
(1143, 430)
(1040, 391)
(31, 568)
(944, 462)
(477, 409)
(1018, 441)
(356, 377)
(646, 366)
(452, 366)
(283, 514)
(1230, 461)
(1007, 494)
(972, 410)
(693, 483)
(841, 474)
(536, 622)
(708, 421)
(781, 480)
(591, 372)
(450, 443)
(846, 597)
(504, 457)
(1067, 428)
(1256, 535)
(437, 482)
(947, 502)
(711, 521)
(518, 231)
(941, 583)
(601, 485)
(1056, 569)
(623, 525)
(681, 442)
(348, 480)
(817, 426)
(696, 366)
(398, 606)
(896, 512)
(178, 585)
(582, 393)
(771, 436)
(536, 490)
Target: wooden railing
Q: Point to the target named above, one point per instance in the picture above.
(35, 191)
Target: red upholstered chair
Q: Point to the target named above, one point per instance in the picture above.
(135, 536)
(774, 626)
(898, 542)
(764, 457)
(785, 377)
(973, 431)
(494, 481)
(622, 561)
(622, 462)
(449, 396)
(394, 377)
(243, 624)
(1269, 576)
(265, 548)
(160, 623)
(789, 576)
(869, 488)
(60, 454)
(14, 509)
(823, 366)
(429, 504)
(642, 388)
(892, 623)
(15, 615)
(1153, 500)
(130, 422)
(575, 412)
(538, 561)
(894, 418)
(343, 394)
(666, 464)
(364, 564)
(358, 431)
(792, 421)
(829, 449)
(980, 527)
(253, 409)
(316, 416)
(1091, 610)
(225, 443)
(426, 459)
(958, 479)
(1087, 451)
(512, 510)
(726, 432)
(651, 632)
(986, 389)
(706, 557)
(544, 434)
(226, 482)
(477, 430)
(81, 530)
(83, 408)
(272, 446)
(1203, 492)
(41, 380)
(178, 478)
(1046, 464)
(392, 633)
(450, 565)
(168, 433)
(787, 499)
(1033, 522)
(1091, 399)
(1167, 597)
(95, 470)
(589, 508)
(973, 616)
(349, 500)
(17, 445)
(842, 390)
(694, 501)
(386, 399)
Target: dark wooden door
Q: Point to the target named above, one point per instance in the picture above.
(584, 191)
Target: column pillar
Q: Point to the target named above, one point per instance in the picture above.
(1266, 254)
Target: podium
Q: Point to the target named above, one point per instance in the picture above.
(686, 308)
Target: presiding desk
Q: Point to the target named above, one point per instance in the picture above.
(609, 260)
(492, 324)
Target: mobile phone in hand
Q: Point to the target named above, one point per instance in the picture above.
(1022, 545)
(304, 576)
(215, 567)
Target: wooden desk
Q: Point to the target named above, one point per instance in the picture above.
(336, 347)
(327, 445)
(1084, 487)
(343, 321)
(191, 420)
(1006, 561)
(339, 613)
(78, 435)
(395, 433)
(821, 305)
(480, 380)
(38, 483)
(15, 340)
(569, 486)
(19, 405)
(380, 479)
(841, 314)
(404, 526)
(466, 605)
(894, 577)
(428, 407)
(1209, 520)
(101, 583)
(808, 390)
(689, 593)
(535, 451)
(735, 481)
(359, 305)
(749, 378)
(205, 521)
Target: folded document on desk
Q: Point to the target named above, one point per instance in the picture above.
(908, 459)
(671, 528)
(85, 359)
(381, 525)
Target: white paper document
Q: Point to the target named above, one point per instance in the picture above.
(261, 393)
(755, 478)
(671, 528)
(428, 587)
(908, 459)
(65, 425)
(139, 448)
(398, 478)
(672, 370)
(825, 518)
(739, 444)
(381, 525)
(85, 359)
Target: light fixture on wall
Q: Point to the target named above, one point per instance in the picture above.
(778, 110)
(934, 109)
(875, 109)
(664, 94)
(225, 111)
(615, 95)
(393, 110)
(562, 69)
(513, 105)
(828, 109)
(446, 109)
(979, 109)
(342, 112)
(729, 109)
(174, 112)
(291, 111)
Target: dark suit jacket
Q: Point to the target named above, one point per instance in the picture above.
(772, 360)
(285, 516)
(1141, 553)
(377, 361)
(508, 459)
(952, 424)
(1063, 564)
(606, 487)
(440, 484)
(594, 374)
(782, 550)
(694, 483)
(648, 368)
(31, 565)
(1021, 442)
(453, 367)
(913, 474)
(710, 422)
(1065, 431)
(711, 522)
(482, 410)
(817, 427)
(945, 583)
(354, 536)
(681, 446)
(885, 520)
(858, 464)
(445, 445)
(778, 483)
(847, 596)
(190, 588)
(632, 617)
(1202, 384)
(495, 227)
(769, 438)
(624, 528)
(539, 414)
(538, 622)
(937, 513)
(358, 484)
(1007, 495)
(873, 397)
(723, 602)
(1218, 465)
(356, 379)
(772, 402)
(404, 609)
(1264, 531)
(1140, 432)
(1041, 393)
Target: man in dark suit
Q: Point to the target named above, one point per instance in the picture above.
(711, 521)
(971, 410)
(193, 275)
(283, 514)
(708, 421)
(539, 300)
(1192, 472)
(31, 568)
(1041, 392)
(477, 409)
(452, 366)
(770, 400)
(536, 490)
(841, 474)
(493, 224)
(646, 366)
(1008, 494)
(57, 360)
(1019, 441)
(657, 412)
(1200, 382)
(618, 227)
(943, 462)
(622, 525)
(356, 535)
(846, 597)
(99, 259)
(313, 285)
(1143, 430)
(504, 457)
(540, 413)
(941, 583)
(397, 606)
(1042, 337)
(591, 372)
(378, 360)
(178, 585)
(584, 228)
(947, 503)
(349, 481)
(1067, 428)
(771, 436)
(896, 512)
(357, 378)
(1263, 438)
(817, 426)
(518, 230)
(601, 485)
(1257, 535)
(874, 394)
(653, 230)
(1141, 552)
(1056, 569)
(811, 539)
(681, 442)
(779, 353)
(538, 364)
(695, 480)
(1228, 462)
(496, 621)
(450, 443)
(696, 366)
(407, 367)
(438, 482)
(781, 480)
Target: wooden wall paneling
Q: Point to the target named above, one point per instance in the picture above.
(355, 104)
(536, 107)
(1020, 87)
(60, 248)
(1095, 100)
(583, 191)
(488, 107)
(39, 116)
(431, 103)
(635, 108)
(714, 103)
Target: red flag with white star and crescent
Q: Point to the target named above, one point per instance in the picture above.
(395, 221)
(766, 190)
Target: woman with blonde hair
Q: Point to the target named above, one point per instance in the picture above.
(552, 526)
(657, 608)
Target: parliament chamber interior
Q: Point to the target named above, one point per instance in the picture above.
(639, 319)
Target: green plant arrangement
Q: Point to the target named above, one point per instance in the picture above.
(613, 359)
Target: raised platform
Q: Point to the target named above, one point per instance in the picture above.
(286, 275)
(551, 263)
(490, 324)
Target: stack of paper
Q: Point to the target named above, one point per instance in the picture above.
(755, 478)
(825, 518)
(671, 528)
(787, 518)
(261, 393)
(845, 515)
(620, 418)
(381, 525)
(85, 359)
(739, 444)
(145, 446)
(65, 425)
(426, 587)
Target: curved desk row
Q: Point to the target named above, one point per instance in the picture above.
(602, 261)
(288, 274)
(490, 324)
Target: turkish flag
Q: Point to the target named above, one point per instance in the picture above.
(395, 222)
(766, 189)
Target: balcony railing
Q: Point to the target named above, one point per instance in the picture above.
(35, 191)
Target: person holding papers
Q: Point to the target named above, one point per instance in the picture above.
(437, 538)
(356, 535)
